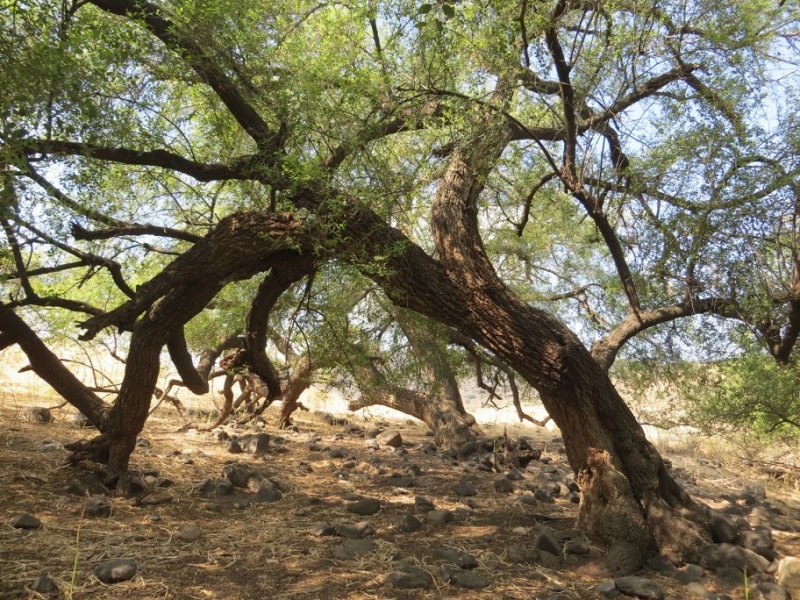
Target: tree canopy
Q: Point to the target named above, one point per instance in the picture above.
(537, 177)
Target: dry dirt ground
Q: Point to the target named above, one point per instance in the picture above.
(268, 550)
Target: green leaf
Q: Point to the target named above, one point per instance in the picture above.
(448, 10)
(424, 9)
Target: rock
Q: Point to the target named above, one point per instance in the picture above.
(25, 521)
(423, 505)
(238, 474)
(355, 531)
(759, 540)
(458, 558)
(607, 589)
(516, 554)
(465, 490)
(390, 437)
(400, 481)
(98, 507)
(323, 530)
(574, 542)
(726, 555)
(788, 575)
(116, 570)
(549, 560)
(36, 414)
(256, 444)
(697, 590)
(268, 492)
(44, 585)
(234, 447)
(429, 448)
(772, 591)
(440, 517)
(546, 540)
(543, 496)
(410, 578)
(640, 587)
(503, 485)
(466, 579)
(365, 506)
(215, 488)
(352, 549)
(690, 574)
(723, 530)
(407, 523)
(190, 533)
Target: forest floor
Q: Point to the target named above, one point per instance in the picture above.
(274, 550)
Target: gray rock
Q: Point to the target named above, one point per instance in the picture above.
(407, 523)
(772, 591)
(365, 506)
(36, 414)
(640, 587)
(726, 555)
(464, 490)
(516, 554)
(607, 589)
(352, 549)
(116, 570)
(458, 558)
(429, 448)
(723, 530)
(546, 540)
(503, 485)
(25, 521)
(390, 437)
(355, 531)
(323, 530)
(690, 574)
(542, 496)
(423, 505)
(466, 579)
(215, 488)
(788, 575)
(528, 499)
(238, 474)
(697, 590)
(190, 533)
(759, 540)
(410, 578)
(234, 447)
(549, 560)
(82, 421)
(400, 481)
(256, 444)
(98, 507)
(440, 517)
(44, 585)
(268, 492)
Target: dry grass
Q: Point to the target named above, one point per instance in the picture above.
(266, 551)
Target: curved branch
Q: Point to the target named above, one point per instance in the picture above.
(81, 233)
(605, 350)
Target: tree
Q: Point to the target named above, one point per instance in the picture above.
(275, 137)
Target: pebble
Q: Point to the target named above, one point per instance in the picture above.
(410, 578)
(365, 506)
(98, 506)
(190, 533)
(355, 531)
(440, 517)
(43, 585)
(407, 523)
(36, 414)
(390, 437)
(503, 486)
(458, 558)
(466, 579)
(25, 521)
(352, 549)
(465, 489)
(640, 587)
(546, 540)
(116, 570)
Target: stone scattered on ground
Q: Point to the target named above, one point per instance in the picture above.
(639, 587)
(98, 507)
(43, 585)
(355, 531)
(788, 575)
(466, 579)
(504, 485)
(116, 570)
(190, 533)
(352, 549)
(25, 521)
(423, 505)
(407, 577)
(440, 517)
(365, 506)
(546, 540)
(390, 437)
(407, 523)
(458, 558)
(464, 489)
(268, 492)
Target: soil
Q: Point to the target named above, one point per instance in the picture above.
(269, 550)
